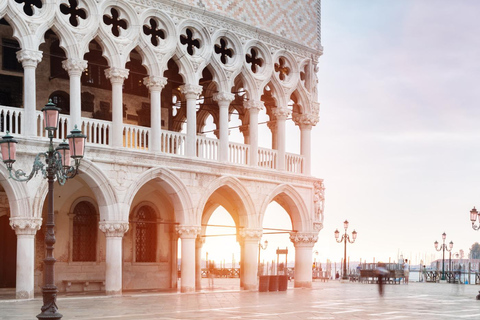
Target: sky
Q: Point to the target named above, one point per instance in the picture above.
(398, 142)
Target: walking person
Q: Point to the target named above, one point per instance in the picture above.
(381, 275)
(406, 270)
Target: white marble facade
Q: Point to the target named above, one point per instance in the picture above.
(150, 69)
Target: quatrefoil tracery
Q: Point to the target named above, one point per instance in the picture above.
(189, 41)
(154, 32)
(254, 59)
(115, 22)
(282, 68)
(28, 5)
(74, 12)
(223, 51)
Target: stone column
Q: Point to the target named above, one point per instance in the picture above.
(114, 232)
(117, 76)
(246, 133)
(251, 238)
(29, 59)
(272, 125)
(198, 262)
(75, 69)
(281, 114)
(188, 234)
(254, 108)
(223, 99)
(191, 93)
(155, 84)
(304, 243)
(25, 228)
(306, 122)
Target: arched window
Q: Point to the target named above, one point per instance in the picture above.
(62, 100)
(84, 232)
(145, 235)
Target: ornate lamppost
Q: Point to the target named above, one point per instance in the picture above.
(443, 247)
(345, 238)
(58, 167)
(261, 247)
(473, 217)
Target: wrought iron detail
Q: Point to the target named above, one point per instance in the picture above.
(145, 235)
(84, 232)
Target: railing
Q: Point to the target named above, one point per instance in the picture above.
(97, 131)
(238, 153)
(294, 163)
(207, 148)
(135, 137)
(173, 142)
(11, 120)
(267, 158)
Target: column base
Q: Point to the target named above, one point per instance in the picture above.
(303, 284)
(24, 295)
(250, 287)
(113, 292)
(187, 289)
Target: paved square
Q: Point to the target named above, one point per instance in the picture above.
(332, 300)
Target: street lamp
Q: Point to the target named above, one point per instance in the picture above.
(345, 238)
(473, 217)
(57, 166)
(443, 247)
(261, 247)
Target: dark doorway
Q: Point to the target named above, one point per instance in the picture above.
(8, 254)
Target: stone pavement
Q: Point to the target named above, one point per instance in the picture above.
(331, 300)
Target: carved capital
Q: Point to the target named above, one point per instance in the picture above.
(303, 238)
(155, 83)
(188, 232)
(116, 75)
(114, 228)
(245, 129)
(29, 58)
(251, 234)
(225, 97)
(25, 226)
(305, 120)
(74, 67)
(191, 91)
(272, 125)
(281, 113)
(253, 106)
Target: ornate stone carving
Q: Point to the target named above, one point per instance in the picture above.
(116, 75)
(114, 228)
(191, 91)
(155, 83)
(309, 238)
(74, 66)
(224, 96)
(281, 113)
(251, 234)
(25, 226)
(29, 58)
(188, 232)
(305, 119)
(253, 105)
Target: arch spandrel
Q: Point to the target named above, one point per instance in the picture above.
(173, 186)
(293, 203)
(230, 193)
(17, 193)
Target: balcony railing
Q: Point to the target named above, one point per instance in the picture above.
(138, 138)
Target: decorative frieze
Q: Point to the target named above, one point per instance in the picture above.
(303, 238)
(188, 232)
(25, 226)
(251, 234)
(114, 228)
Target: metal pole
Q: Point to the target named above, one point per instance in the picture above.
(49, 290)
(345, 257)
(443, 261)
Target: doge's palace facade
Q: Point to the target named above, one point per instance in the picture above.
(144, 80)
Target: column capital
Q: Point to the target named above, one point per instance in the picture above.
(304, 239)
(74, 67)
(188, 232)
(29, 58)
(272, 125)
(114, 228)
(305, 120)
(224, 97)
(251, 234)
(281, 113)
(253, 105)
(191, 91)
(199, 242)
(116, 75)
(25, 226)
(155, 83)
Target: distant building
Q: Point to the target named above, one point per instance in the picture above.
(142, 78)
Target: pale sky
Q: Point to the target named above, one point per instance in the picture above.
(398, 142)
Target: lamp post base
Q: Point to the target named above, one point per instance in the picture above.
(50, 316)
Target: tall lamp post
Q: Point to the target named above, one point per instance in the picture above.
(345, 238)
(261, 247)
(443, 247)
(58, 167)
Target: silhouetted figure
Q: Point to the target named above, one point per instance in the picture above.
(337, 276)
(381, 274)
